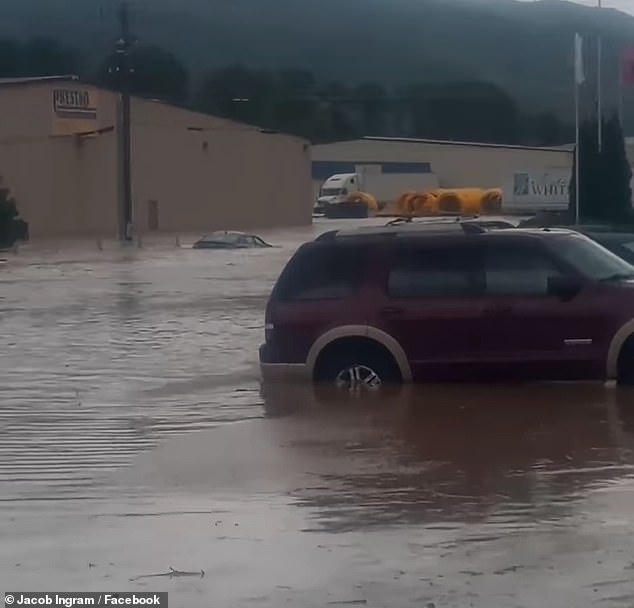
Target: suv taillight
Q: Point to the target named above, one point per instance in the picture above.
(268, 331)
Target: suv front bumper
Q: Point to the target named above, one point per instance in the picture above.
(272, 371)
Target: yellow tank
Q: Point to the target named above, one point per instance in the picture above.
(492, 201)
(461, 200)
(424, 203)
(402, 204)
(450, 200)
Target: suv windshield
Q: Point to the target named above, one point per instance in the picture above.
(593, 260)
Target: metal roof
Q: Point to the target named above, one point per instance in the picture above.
(472, 144)
(36, 79)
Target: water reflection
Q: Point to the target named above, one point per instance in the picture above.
(420, 455)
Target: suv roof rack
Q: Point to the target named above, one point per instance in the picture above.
(445, 217)
(407, 229)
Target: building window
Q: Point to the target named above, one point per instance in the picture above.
(153, 215)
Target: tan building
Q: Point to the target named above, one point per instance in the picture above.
(456, 165)
(191, 172)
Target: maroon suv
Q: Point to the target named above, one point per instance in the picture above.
(434, 302)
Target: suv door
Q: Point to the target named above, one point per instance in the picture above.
(429, 301)
(528, 333)
(320, 288)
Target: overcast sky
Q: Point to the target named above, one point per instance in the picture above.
(623, 5)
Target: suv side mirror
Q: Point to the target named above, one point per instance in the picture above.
(564, 287)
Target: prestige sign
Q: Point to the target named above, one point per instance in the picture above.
(74, 110)
(74, 103)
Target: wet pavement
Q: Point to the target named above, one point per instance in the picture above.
(135, 437)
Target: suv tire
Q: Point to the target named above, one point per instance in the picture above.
(355, 368)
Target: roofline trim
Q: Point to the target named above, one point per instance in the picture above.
(441, 142)
(37, 79)
(8, 82)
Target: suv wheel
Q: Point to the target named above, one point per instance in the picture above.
(352, 370)
(626, 364)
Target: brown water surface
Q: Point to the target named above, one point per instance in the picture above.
(135, 436)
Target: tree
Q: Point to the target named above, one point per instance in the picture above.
(372, 102)
(47, 57)
(12, 228)
(468, 111)
(545, 129)
(36, 57)
(604, 176)
(238, 93)
(617, 173)
(156, 74)
(10, 58)
(294, 101)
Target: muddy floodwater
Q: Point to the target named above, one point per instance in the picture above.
(135, 437)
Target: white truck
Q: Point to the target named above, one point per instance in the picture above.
(384, 187)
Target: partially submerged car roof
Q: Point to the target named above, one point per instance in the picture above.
(227, 237)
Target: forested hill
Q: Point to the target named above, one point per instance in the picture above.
(525, 47)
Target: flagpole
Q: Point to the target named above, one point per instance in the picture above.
(576, 217)
(599, 92)
(579, 78)
(621, 83)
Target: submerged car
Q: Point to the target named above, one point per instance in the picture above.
(450, 301)
(230, 240)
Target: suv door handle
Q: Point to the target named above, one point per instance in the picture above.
(497, 309)
(391, 311)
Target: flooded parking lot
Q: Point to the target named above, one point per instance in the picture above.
(135, 437)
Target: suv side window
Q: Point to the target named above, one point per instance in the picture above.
(432, 273)
(517, 269)
(322, 272)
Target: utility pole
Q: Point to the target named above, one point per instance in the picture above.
(124, 69)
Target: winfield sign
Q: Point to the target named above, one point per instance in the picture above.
(74, 110)
(545, 189)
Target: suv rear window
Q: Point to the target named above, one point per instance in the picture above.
(321, 272)
(428, 273)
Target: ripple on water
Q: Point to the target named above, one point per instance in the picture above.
(107, 356)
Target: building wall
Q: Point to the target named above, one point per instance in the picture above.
(63, 187)
(455, 165)
(26, 110)
(204, 172)
(219, 179)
